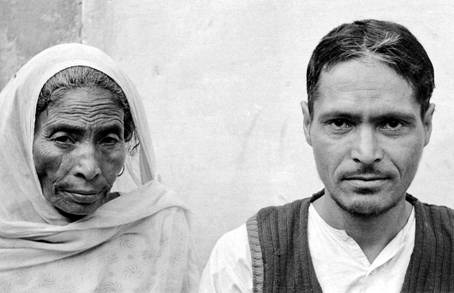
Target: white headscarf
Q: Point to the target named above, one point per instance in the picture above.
(32, 232)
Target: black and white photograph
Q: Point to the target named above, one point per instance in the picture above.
(226, 146)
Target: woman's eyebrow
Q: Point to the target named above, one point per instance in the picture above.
(110, 128)
(66, 127)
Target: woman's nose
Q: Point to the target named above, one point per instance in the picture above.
(86, 163)
(366, 147)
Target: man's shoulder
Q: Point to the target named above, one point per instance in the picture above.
(431, 208)
(438, 218)
(438, 208)
(288, 214)
(288, 209)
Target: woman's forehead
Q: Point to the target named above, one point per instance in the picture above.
(84, 106)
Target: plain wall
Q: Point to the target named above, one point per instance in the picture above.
(222, 82)
(28, 27)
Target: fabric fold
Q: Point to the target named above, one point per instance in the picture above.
(34, 236)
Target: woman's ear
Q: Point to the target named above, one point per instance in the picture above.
(307, 122)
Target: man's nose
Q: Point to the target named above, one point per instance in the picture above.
(86, 164)
(366, 146)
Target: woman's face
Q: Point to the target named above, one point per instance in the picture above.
(79, 149)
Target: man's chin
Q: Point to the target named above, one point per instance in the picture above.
(365, 210)
(365, 204)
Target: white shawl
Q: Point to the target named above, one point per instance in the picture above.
(127, 237)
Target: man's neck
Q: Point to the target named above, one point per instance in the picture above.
(371, 233)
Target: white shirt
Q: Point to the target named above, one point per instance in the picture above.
(339, 262)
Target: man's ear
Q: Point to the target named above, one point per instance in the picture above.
(307, 122)
(427, 122)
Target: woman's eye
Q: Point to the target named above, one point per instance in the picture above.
(63, 139)
(110, 140)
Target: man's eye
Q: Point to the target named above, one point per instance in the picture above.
(392, 124)
(340, 124)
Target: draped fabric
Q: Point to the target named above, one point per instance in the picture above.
(137, 241)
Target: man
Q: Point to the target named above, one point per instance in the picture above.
(368, 119)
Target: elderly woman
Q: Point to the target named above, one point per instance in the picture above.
(80, 209)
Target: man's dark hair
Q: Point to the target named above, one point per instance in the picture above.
(391, 43)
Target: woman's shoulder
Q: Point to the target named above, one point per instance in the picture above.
(169, 220)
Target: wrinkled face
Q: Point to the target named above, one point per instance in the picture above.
(367, 135)
(79, 149)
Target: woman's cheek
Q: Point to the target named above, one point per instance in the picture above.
(47, 159)
(113, 162)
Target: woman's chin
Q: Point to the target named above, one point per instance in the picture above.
(71, 216)
(76, 212)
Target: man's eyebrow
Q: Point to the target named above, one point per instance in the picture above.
(380, 116)
(339, 114)
(395, 115)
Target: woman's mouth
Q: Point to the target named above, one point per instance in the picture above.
(81, 196)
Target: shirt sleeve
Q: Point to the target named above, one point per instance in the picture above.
(229, 268)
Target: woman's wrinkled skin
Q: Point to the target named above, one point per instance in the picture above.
(78, 150)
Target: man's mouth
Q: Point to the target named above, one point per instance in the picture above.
(366, 177)
(366, 181)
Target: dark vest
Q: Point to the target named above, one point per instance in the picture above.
(281, 260)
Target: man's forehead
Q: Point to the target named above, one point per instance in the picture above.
(365, 104)
(365, 75)
(366, 72)
(364, 85)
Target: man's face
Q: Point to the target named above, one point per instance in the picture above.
(367, 135)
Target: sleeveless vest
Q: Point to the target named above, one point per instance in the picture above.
(281, 260)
